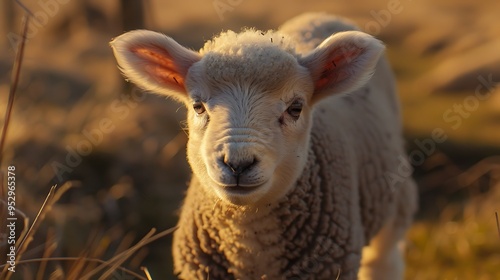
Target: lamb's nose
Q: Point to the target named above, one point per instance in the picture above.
(238, 167)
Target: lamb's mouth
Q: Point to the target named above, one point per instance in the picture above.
(240, 190)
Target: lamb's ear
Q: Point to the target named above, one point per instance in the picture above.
(154, 62)
(342, 63)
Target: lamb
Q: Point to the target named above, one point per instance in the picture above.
(295, 144)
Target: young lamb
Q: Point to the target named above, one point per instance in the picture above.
(296, 151)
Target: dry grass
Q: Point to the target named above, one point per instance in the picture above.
(462, 240)
(82, 267)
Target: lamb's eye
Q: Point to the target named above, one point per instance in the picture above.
(198, 107)
(295, 109)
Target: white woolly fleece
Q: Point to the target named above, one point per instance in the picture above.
(321, 194)
(230, 42)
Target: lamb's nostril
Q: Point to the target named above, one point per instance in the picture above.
(237, 167)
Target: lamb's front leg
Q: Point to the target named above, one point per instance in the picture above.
(383, 258)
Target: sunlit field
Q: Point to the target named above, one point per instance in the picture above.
(117, 155)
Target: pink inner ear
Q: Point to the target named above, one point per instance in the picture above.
(335, 67)
(160, 65)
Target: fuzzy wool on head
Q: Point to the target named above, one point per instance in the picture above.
(232, 57)
(230, 42)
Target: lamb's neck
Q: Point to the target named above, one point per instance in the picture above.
(235, 239)
(310, 225)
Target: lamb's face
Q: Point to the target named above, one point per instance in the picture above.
(249, 122)
(249, 100)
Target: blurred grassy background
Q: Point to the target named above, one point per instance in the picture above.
(132, 177)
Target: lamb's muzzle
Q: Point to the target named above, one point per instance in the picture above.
(234, 164)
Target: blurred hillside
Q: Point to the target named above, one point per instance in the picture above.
(75, 119)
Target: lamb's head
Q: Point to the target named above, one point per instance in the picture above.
(249, 98)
